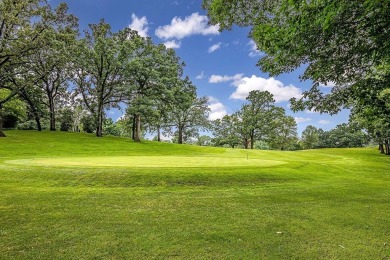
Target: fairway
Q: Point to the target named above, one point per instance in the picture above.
(75, 196)
(147, 161)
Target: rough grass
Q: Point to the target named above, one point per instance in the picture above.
(119, 199)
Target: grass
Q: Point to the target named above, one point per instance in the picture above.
(71, 195)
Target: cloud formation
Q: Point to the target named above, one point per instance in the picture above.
(221, 79)
(194, 24)
(302, 119)
(329, 84)
(217, 109)
(201, 76)
(214, 47)
(172, 44)
(280, 91)
(140, 25)
(254, 52)
(324, 122)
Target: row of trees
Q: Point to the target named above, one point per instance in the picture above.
(342, 43)
(46, 64)
(343, 136)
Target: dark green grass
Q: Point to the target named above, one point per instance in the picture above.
(320, 204)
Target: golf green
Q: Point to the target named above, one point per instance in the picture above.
(146, 161)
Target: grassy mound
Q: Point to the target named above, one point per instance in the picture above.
(71, 195)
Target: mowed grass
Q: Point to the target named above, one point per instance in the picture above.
(74, 196)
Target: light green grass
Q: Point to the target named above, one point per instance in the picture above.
(71, 196)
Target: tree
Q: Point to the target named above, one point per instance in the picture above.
(310, 137)
(22, 25)
(101, 63)
(153, 75)
(13, 111)
(189, 112)
(204, 140)
(225, 132)
(51, 64)
(257, 114)
(284, 131)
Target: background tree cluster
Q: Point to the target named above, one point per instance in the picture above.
(343, 136)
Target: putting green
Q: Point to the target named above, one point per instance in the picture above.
(146, 161)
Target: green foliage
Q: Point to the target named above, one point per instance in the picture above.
(66, 119)
(310, 137)
(258, 120)
(111, 128)
(189, 113)
(225, 131)
(102, 61)
(88, 122)
(343, 136)
(13, 111)
(262, 145)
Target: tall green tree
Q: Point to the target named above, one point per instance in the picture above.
(189, 113)
(284, 134)
(52, 65)
(22, 25)
(225, 132)
(153, 74)
(310, 137)
(101, 64)
(257, 114)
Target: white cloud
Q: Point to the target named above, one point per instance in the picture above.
(329, 84)
(194, 24)
(301, 119)
(307, 111)
(214, 47)
(201, 75)
(275, 87)
(254, 52)
(140, 25)
(225, 78)
(217, 109)
(324, 122)
(172, 44)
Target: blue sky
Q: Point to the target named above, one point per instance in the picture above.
(221, 65)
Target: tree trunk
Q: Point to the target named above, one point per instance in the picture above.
(2, 134)
(381, 147)
(158, 134)
(137, 134)
(52, 114)
(33, 109)
(246, 143)
(252, 138)
(133, 129)
(387, 147)
(180, 140)
(99, 127)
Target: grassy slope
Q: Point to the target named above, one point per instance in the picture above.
(331, 203)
